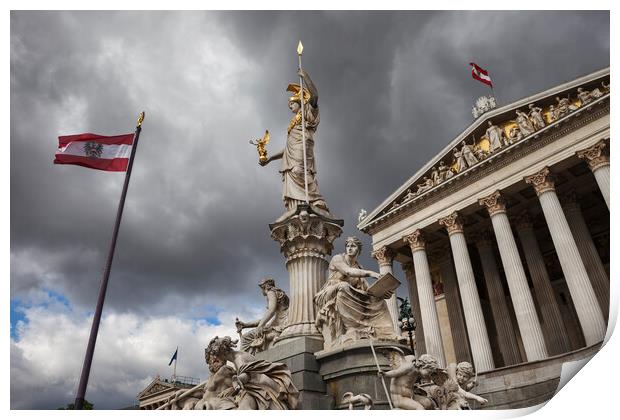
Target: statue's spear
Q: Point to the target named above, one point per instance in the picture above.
(387, 394)
(300, 50)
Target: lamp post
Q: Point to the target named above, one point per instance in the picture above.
(407, 321)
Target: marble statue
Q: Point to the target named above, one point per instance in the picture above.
(406, 373)
(256, 384)
(468, 154)
(553, 114)
(426, 185)
(273, 321)
(514, 134)
(586, 97)
(459, 160)
(606, 87)
(445, 172)
(408, 196)
(360, 399)
(563, 107)
(292, 168)
(483, 104)
(435, 176)
(362, 215)
(495, 135)
(536, 117)
(464, 375)
(346, 312)
(525, 125)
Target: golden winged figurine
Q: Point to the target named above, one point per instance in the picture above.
(260, 146)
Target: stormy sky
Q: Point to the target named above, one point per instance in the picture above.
(394, 88)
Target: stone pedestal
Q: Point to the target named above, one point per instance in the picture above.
(298, 355)
(305, 236)
(352, 368)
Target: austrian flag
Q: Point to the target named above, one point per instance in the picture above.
(480, 74)
(106, 153)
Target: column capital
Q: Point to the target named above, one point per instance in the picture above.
(495, 203)
(383, 255)
(416, 241)
(453, 223)
(595, 156)
(542, 181)
(570, 201)
(523, 221)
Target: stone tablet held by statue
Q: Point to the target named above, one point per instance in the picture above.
(386, 283)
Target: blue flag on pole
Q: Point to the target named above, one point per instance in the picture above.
(174, 356)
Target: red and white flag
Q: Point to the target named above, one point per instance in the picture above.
(106, 153)
(480, 74)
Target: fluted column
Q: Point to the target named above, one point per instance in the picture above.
(432, 332)
(474, 318)
(420, 342)
(598, 162)
(522, 301)
(553, 326)
(586, 304)
(587, 249)
(385, 257)
(507, 339)
(453, 302)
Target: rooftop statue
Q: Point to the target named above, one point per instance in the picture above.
(273, 321)
(292, 156)
(346, 312)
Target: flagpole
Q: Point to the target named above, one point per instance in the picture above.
(174, 374)
(300, 49)
(94, 329)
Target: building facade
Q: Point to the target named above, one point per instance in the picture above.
(504, 240)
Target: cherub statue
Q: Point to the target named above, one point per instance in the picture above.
(464, 375)
(406, 372)
(360, 399)
(536, 117)
(269, 327)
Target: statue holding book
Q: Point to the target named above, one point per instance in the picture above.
(348, 308)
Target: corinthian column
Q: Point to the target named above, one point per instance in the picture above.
(522, 301)
(432, 333)
(553, 326)
(385, 257)
(474, 319)
(505, 331)
(586, 304)
(587, 249)
(420, 342)
(306, 242)
(453, 302)
(598, 162)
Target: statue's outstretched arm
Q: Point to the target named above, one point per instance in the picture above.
(276, 156)
(314, 93)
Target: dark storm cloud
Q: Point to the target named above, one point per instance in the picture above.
(394, 87)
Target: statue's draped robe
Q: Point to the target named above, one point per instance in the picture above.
(292, 168)
(346, 312)
(277, 393)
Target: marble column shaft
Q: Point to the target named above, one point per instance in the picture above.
(472, 309)
(522, 301)
(455, 310)
(420, 342)
(553, 326)
(385, 258)
(587, 249)
(598, 162)
(432, 331)
(507, 338)
(586, 304)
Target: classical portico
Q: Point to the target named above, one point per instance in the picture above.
(522, 230)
